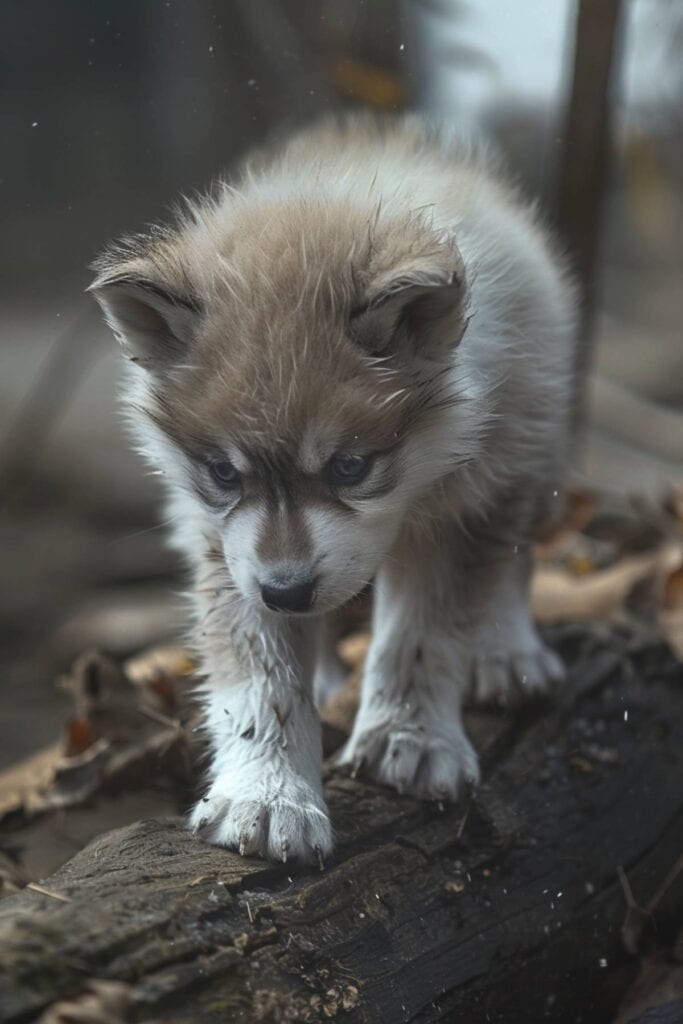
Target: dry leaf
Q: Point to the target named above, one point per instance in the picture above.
(352, 649)
(580, 508)
(671, 624)
(116, 739)
(582, 566)
(22, 784)
(78, 736)
(373, 85)
(673, 590)
(170, 662)
(555, 595)
(103, 1002)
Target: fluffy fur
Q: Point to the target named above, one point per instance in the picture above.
(369, 291)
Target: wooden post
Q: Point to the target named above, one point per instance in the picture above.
(585, 151)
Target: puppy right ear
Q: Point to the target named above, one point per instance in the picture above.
(154, 324)
(422, 314)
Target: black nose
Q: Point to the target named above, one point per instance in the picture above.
(296, 598)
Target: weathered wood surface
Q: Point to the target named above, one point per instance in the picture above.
(671, 1013)
(506, 908)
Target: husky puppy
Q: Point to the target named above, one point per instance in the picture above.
(353, 364)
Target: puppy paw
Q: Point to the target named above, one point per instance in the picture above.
(508, 677)
(288, 821)
(413, 759)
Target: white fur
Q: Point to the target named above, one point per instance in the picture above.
(506, 647)
(265, 793)
(447, 545)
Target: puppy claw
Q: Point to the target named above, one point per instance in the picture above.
(429, 763)
(198, 824)
(319, 855)
(285, 826)
(506, 678)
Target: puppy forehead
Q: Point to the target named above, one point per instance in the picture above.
(321, 439)
(306, 456)
(297, 407)
(317, 445)
(318, 438)
(302, 436)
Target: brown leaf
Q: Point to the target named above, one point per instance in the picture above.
(116, 739)
(582, 566)
(580, 508)
(673, 590)
(556, 595)
(673, 504)
(163, 689)
(172, 661)
(671, 624)
(78, 736)
(22, 785)
(376, 86)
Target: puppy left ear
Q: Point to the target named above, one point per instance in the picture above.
(154, 324)
(422, 312)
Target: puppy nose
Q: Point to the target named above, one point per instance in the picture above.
(297, 597)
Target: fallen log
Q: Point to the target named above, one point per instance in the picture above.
(672, 1013)
(507, 907)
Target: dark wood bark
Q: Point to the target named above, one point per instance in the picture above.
(507, 907)
(671, 1013)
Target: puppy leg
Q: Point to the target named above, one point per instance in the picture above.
(408, 731)
(330, 671)
(510, 661)
(265, 789)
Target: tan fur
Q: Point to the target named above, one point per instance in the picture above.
(368, 291)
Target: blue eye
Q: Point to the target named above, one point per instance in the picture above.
(348, 469)
(224, 473)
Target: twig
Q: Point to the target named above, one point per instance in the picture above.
(47, 892)
(461, 826)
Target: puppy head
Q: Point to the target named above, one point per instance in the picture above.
(292, 380)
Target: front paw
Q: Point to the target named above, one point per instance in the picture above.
(415, 758)
(286, 819)
(508, 677)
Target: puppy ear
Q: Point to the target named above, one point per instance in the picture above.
(420, 313)
(154, 324)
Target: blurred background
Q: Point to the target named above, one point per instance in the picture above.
(111, 108)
